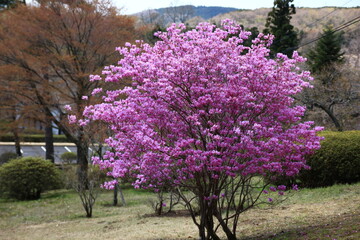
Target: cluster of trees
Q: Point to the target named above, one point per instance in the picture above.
(333, 81)
(47, 52)
(206, 110)
(332, 104)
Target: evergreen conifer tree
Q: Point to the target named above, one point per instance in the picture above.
(326, 52)
(278, 24)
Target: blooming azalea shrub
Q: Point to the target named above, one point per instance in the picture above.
(205, 115)
(26, 178)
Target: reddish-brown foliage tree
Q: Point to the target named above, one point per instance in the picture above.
(54, 47)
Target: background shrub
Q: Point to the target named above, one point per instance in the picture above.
(26, 178)
(337, 161)
(6, 156)
(68, 157)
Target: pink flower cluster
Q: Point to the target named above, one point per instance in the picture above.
(280, 189)
(201, 102)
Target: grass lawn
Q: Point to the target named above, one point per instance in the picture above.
(325, 213)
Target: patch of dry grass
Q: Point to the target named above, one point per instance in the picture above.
(309, 214)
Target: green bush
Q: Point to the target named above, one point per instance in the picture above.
(338, 160)
(26, 178)
(6, 156)
(68, 157)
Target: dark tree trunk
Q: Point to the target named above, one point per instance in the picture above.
(115, 202)
(159, 209)
(332, 116)
(117, 190)
(231, 235)
(17, 142)
(15, 131)
(82, 160)
(206, 226)
(49, 141)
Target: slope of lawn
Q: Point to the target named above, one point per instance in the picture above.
(324, 213)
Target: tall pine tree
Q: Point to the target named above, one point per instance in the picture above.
(332, 88)
(278, 24)
(327, 51)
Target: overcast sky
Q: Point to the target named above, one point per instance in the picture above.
(134, 6)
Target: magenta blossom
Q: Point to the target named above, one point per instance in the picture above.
(204, 112)
(273, 189)
(295, 187)
(67, 108)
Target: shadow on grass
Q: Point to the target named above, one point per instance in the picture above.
(62, 193)
(345, 226)
(172, 214)
(111, 205)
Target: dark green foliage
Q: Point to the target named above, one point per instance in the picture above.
(149, 36)
(7, 156)
(278, 24)
(254, 33)
(68, 157)
(26, 178)
(337, 161)
(327, 51)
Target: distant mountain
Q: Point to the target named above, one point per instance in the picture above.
(308, 21)
(201, 11)
(165, 16)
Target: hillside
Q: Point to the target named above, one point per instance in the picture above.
(308, 21)
(201, 11)
(165, 16)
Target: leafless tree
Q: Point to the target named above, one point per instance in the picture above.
(180, 13)
(54, 47)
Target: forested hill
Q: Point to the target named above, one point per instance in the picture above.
(310, 23)
(305, 19)
(202, 11)
(165, 16)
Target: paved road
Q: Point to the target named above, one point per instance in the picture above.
(38, 149)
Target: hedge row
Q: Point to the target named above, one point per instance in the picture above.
(33, 138)
(337, 161)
